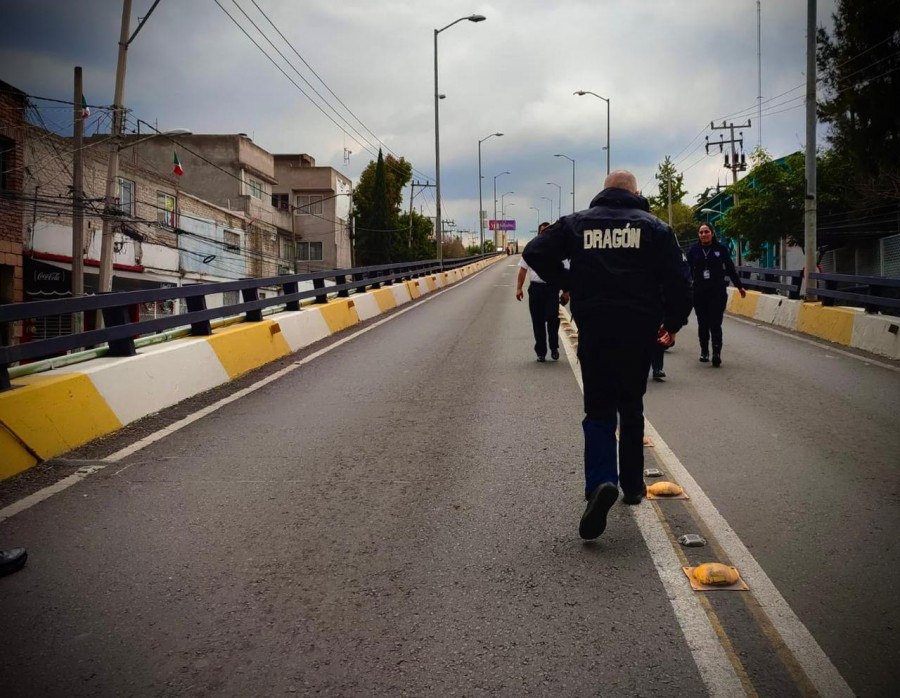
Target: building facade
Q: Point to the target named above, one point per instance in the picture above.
(13, 103)
(319, 199)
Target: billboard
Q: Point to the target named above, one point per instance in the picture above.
(501, 224)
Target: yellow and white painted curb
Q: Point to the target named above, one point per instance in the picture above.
(48, 414)
(851, 327)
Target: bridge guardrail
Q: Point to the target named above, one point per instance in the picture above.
(120, 332)
(874, 293)
(768, 280)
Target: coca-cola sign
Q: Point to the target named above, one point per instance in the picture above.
(48, 276)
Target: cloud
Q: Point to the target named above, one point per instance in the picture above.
(667, 68)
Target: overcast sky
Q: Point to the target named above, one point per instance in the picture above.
(668, 68)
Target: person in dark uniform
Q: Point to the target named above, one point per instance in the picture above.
(543, 306)
(710, 262)
(626, 273)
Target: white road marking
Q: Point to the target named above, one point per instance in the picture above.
(64, 484)
(716, 670)
(868, 361)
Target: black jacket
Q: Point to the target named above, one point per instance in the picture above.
(717, 260)
(626, 267)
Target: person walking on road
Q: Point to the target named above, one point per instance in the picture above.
(626, 273)
(543, 305)
(710, 263)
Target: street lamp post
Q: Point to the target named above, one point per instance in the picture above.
(503, 206)
(506, 172)
(581, 93)
(439, 226)
(480, 202)
(560, 155)
(551, 206)
(538, 220)
(558, 199)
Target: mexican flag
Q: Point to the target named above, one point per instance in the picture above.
(176, 165)
(85, 111)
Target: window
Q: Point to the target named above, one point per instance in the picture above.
(254, 188)
(309, 251)
(165, 205)
(309, 204)
(285, 248)
(232, 241)
(281, 201)
(126, 196)
(7, 158)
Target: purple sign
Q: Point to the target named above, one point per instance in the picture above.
(502, 224)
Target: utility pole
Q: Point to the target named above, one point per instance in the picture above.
(112, 172)
(77, 202)
(809, 222)
(735, 166)
(412, 194)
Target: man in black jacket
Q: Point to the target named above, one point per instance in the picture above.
(710, 262)
(626, 273)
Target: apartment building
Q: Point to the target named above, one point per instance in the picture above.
(319, 200)
(12, 126)
(231, 171)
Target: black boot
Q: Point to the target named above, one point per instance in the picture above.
(704, 353)
(717, 356)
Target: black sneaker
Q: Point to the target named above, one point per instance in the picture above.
(717, 357)
(704, 357)
(554, 354)
(593, 521)
(659, 375)
(634, 498)
(541, 359)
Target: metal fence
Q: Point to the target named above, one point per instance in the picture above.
(126, 317)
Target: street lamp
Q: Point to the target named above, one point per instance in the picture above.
(551, 206)
(502, 205)
(558, 198)
(480, 202)
(506, 172)
(439, 226)
(560, 155)
(581, 93)
(538, 221)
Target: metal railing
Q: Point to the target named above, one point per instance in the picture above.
(769, 280)
(120, 332)
(874, 293)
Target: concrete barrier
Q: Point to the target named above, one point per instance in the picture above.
(852, 327)
(48, 414)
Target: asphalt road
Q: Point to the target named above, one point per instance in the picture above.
(398, 516)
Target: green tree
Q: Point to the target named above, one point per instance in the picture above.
(418, 243)
(377, 199)
(683, 221)
(770, 199)
(858, 64)
(668, 177)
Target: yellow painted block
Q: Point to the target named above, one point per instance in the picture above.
(45, 416)
(413, 288)
(832, 324)
(744, 306)
(431, 283)
(385, 299)
(14, 457)
(339, 314)
(243, 347)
